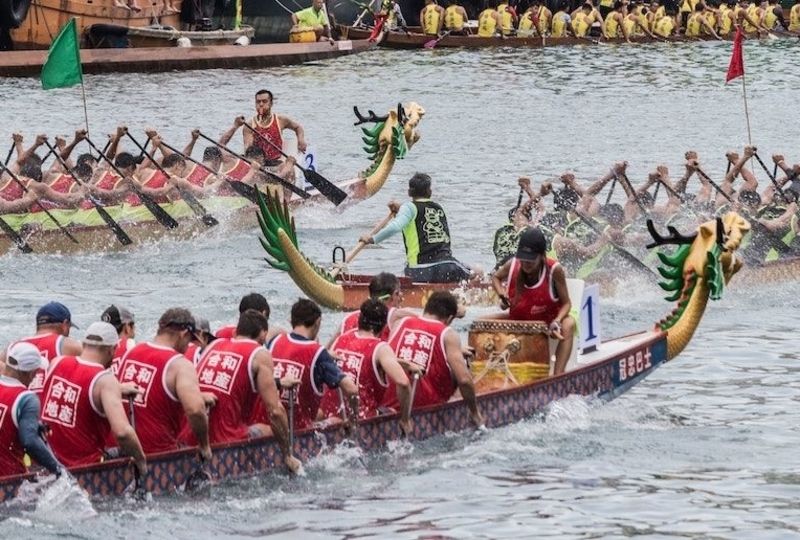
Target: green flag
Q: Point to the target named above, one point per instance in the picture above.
(63, 65)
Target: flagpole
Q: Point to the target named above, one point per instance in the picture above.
(746, 112)
(86, 110)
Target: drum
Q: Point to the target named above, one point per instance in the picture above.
(508, 353)
(302, 35)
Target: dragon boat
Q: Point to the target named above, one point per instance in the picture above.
(415, 39)
(697, 271)
(387, 138)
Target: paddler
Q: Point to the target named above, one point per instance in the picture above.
(489, 21)
(583, 19)
(614, 23)
(665, 27)
(737, 168)
(431, 18)
(686, 9)
(122, 320)
(794, 17)
(519, 218)
(508, 17)
(561, 22)
(773, 16)
(270, 126)
(429, 342)
(254, 301)
(82, 403)
(53, 325)
(426, 236)
(726, 21)
(655, 13)
(19, 422)
(239, 372)
(455, 17)
(371, 363)
(536, 20)
(298, 355)
(200, 341)
(315, 18)
(536, 290)
(697, 24)
(169, 389)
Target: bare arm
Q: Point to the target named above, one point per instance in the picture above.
(288, 123)
(188, 391)
(499, 278)
(560, 281)
(277, 414)
(190, 146)
(108, 393)
(225, 138)
(79, 136)
(462, 376)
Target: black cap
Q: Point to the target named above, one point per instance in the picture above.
(532, 244)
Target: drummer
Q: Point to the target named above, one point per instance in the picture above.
(534, 288)
(314, 18)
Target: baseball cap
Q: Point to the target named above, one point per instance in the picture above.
(116, 316)
(179, 318)
(532, 244)
(23, 356)
(204, 326)
(101, 334)
(53, 313)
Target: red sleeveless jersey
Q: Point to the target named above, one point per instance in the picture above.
(108, 181)
(536, 303)
(11, 451)
(238, 171)
(155, 180)
(63, 184)
(198, 176)
(297, 358)
(420, 341)
(122, 347)
(271, 132)
(226, 370)
(78, 430)
(226, 332)
(350, 322)
(159, 414)
(11, 191)
(358, 357)
(49, 346)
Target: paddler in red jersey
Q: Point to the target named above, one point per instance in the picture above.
(299, 356)
(168, 386)
(430, 343)
(53, 324)
(371, 363)
(239, 372)
(19, 413)
(123, 321)
(200, 341)
(270, 126)
(83, 403)
(258, 303)
(537, 291)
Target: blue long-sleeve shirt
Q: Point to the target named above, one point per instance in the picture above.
(28, 430)
(405, 215)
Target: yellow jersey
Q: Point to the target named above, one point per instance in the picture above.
(487, 24)
(629, 26)
(545, 17)
(526, 26)
(711, 19)
(506, 18)
(770, 19)
(430, 19)
(611, 27)
(581, 24)
(559, 25)
(607, 3)
(688, 6)
(752, 12)
(665, 26)
(453, 19)
(724, 25)
(641, 16)
(693, 25)
(794, 18)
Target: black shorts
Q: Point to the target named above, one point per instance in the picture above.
(444, 272)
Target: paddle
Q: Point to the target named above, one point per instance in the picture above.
(63, 229)
(611, 189)
(772, 178)
(432, 43)
(20, 242)
(190, 199)
(288, 185)
(635, 195)
(121, 235)
(139, 486)
(290, 414)
(621, 250)
(361, 245)
(330, 190)
(412, 393)
(159, 213)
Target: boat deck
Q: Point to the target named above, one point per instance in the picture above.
(158, 59)
(614, 347)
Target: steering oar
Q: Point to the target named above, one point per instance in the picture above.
(361, 245)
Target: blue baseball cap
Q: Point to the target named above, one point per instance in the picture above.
(54, 313)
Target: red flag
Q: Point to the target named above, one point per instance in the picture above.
(736, 67)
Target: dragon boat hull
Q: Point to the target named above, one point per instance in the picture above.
(606, 373)
(416, 40)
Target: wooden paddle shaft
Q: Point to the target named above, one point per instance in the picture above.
(361, 245)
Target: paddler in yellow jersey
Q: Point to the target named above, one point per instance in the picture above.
(613, 27)
(560, 24)
(726, 21)
(794, 17)
(749, 16)
(454, 18)
(431, 18)
(535, 20)
(655, 14)
(583, 19)
(697, 24)
(508, 18)
(637, 22)
(686, 9)
(665, 27)
(773, 16)
(489, 23)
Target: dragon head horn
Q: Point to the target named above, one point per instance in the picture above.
(402, 117)
(366, 119)
(675, 237)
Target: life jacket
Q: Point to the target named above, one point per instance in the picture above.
(427, 237)
(693, 25)
(453, 20)
(506, 18)
(665, 26)
(297, 358)
(358, 357)
(611, 29)
(271, 132)
(78, 430)
(420, 341)
(487, 24)
(12, 454)
(430, 20)
(537, 302)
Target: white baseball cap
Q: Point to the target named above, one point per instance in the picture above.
(101, 334)
(23, 356)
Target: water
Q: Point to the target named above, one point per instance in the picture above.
(703, 448)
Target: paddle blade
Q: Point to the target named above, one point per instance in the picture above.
(328, 189)
(430, 44)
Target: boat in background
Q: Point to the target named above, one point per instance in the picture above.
(603, 371)
(113, 36)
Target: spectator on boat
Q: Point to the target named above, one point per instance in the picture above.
(431, 18)
(315, 18)
(53, 325)
(298, 355)
(19, 424)
(123, 321)
(169, 389)
(428, 342)
(426, 236)
(455, 18)
(82, 403)
(239, 372)
(258, 303)
(534, 288)
(366, 357)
